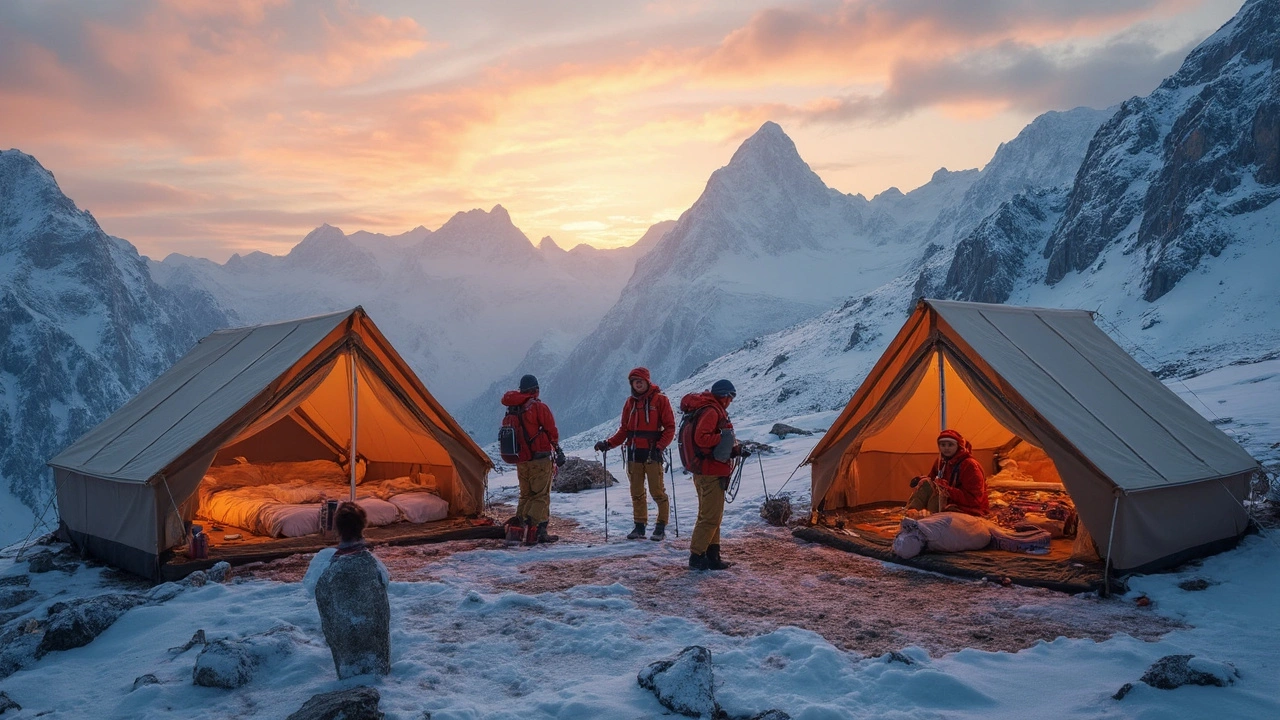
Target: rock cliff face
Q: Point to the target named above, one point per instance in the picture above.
(82, 327)
(1167, 175)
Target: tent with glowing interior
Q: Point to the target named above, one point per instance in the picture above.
(1152, 481)
(324, 388)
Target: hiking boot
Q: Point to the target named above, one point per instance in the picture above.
(638, 533)
(543, 536)
(659, 532)
(697, 561)
(713, 561)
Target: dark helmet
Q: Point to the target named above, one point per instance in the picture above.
(722, 388)
(528, 383)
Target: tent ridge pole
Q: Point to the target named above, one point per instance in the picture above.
(355, 419)
(1111, 536)
(942, 392)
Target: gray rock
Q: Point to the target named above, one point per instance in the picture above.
(40, 563)
(1173, 671)
(17, 650)
(1195, 584)
(164, 592)
(147, 679)
(894, 656)
(355, 615)
(219, 573)
(782, 430)
(13, 597)
(76, 623)
(359, 703)
(578, 475)
(7, 704)
(227, 663)
(196, 579)
(683, 684)
(197, 639)
(22, 580)
(771, 715)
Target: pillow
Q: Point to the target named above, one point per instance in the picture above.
(380, 512)
(421, 507)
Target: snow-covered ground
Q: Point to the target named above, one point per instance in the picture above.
(561, 631)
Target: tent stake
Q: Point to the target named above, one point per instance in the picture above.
(355, 419)
(1111, 536)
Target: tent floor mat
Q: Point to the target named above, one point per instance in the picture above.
(258, 549)
(1064, 575)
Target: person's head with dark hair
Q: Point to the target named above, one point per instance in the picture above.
(349, 521)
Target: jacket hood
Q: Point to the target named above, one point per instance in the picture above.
(695, 401)
(513, 398)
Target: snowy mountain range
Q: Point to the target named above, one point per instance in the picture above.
(82, 328)
(1170, 229)
(463, 304)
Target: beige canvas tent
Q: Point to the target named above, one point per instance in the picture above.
(1153, 482)
(327, 387)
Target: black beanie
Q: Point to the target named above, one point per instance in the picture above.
(722, 388)
(528, 382)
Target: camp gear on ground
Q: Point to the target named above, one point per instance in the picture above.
(199, 544)
(528, 383)
(710, 512)
(535, 489)
(1153, 481)
(638, 476)
(328, 511)
(941, 532)
(723, 388)
(1023, 539)
(544, 537)
(272, 392)
(659, 532)
(516, 531)
(637, 532)
(714, 562)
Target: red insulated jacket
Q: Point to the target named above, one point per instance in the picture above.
(647, 420)
(539, 424)
(965, 481)
(706, 432)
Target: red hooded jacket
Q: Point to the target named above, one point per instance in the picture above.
(647, 420)
(539, 424)
(706, 432)
(965, 481)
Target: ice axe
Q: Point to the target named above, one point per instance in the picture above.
(605, 456)
(671, 471)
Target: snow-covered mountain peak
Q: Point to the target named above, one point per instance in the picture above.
(548, 246)
(488, 236)
(768, 167)
(328, 250)
(1251, 37)
(30, 200)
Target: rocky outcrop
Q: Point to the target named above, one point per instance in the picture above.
(989, 261)
(229, 664)
(1174, 671)
(782, 430)
(76, 623)
(355, 615)
(683, 684)
(359, 703)
(578, 475)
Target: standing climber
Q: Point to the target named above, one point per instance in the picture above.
(648, 425)
(712, 442)
(539, 442)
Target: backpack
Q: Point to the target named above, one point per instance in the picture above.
(691, 456)
(509, 438)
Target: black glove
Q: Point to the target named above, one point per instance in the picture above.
(745, 453)
(602, 446)
(560, 459)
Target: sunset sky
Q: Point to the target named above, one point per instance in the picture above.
(209, 127)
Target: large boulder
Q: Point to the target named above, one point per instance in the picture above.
(683, 684)
(782, 430)
(76, 623)
(355, 614)
(1174, 671)
(7, 704)
(229, 664)
(360, 703)
(578, 475)
(17, 649)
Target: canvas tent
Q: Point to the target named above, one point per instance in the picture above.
(1153, 482)
(281, 391)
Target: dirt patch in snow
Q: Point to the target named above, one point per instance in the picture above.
(855, 603)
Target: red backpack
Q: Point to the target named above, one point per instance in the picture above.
(513, 438)
(691, 456)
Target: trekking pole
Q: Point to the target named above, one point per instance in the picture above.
(671, 471)
(766, 489)
(605, 454)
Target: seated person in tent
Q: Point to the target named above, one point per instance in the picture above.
(351, 594)
(955, 483)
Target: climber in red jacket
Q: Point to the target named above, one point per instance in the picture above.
(955, 483)
(647, 428)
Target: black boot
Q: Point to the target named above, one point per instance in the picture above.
(543, 537)
(637, 533)
(697, 561)
(713, 559)
(659, 531)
